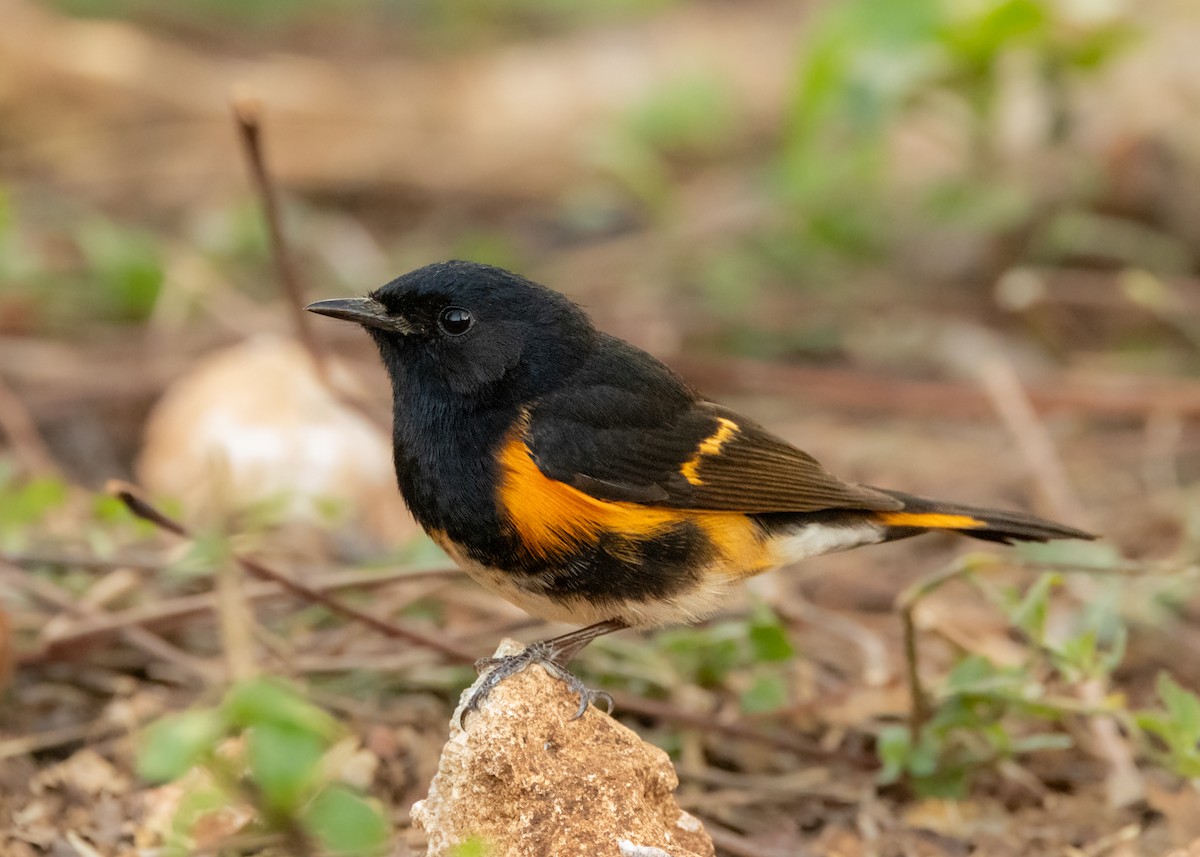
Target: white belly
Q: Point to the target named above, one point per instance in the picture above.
(700, 602)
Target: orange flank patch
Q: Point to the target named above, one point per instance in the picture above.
(711, 445)
(931, 520)
(553, 519)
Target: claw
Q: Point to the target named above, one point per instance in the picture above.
(598, 696)
(536, 653)
(484, 664)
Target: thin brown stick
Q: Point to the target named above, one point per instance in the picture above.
(807, 782)
(906, 604)
(51, 738)
(629, 704)
(135, 503)
(92, 630)
(247, 113)
(138, 637)
(918, 698)
(18, 424)
(1012, 404)
(141, 507)
(734, 843)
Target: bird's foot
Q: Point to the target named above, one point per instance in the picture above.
(541, 653)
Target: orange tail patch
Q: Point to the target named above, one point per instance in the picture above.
(931, 520)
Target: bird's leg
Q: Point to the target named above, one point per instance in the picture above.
(553, 655)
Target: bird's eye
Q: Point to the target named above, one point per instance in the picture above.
(455, 321)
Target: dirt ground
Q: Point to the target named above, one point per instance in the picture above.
(971, 364)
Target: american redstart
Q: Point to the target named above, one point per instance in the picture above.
(581, 479)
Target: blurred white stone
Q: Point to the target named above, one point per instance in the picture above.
(253, 424)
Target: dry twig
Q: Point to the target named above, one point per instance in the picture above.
(135, 636)
(247, 112)
(1045, 465)
(128, 495)
(706, 722)
(51, 738)
(734, 843)
(906, 603)
(95, 629)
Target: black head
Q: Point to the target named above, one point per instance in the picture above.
(473, 331)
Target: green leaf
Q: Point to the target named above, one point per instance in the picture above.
(125, 269)
(1098, 47)
(347, 824)
(1079, 652)
(1155, 722)
(1030, 614)
(971, 673)
(706, 656)
(1183, 709)
(29, 502)
(284, 762)
(689, 114)
(948, 782)
(207, 551)
(893, 746)
(924, 758)
(173, 745)
(1116, 651)
(767, 693)
(770, 641)
(271, 701)
(977, 40)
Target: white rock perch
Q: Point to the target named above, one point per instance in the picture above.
(529, 781)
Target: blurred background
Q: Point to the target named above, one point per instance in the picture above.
(947, 247)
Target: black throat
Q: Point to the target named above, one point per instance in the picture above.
(444, 449)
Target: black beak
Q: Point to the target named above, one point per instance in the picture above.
(364, 311)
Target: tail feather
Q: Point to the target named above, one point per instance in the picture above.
(994, 525)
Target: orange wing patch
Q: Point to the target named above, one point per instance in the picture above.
(553, 518)
(711, 445)
(931, 520)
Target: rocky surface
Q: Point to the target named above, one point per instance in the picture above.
(529, 781)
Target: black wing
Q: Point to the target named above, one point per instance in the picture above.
(628, 429)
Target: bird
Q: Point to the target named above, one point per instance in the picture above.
(581, 479)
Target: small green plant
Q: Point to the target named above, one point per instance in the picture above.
(868, 69)
(264, 747)
(984, 714)
(748, 656)
(123, 270)
(25, 503)
(687, 119)
(1175, 727)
